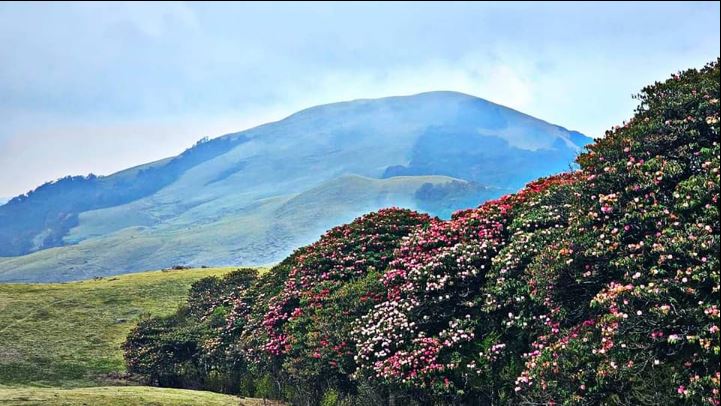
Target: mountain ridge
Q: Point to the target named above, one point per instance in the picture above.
(429, 134)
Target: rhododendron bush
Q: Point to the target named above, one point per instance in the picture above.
(458, 307)
(643, 261)
(599, 286)
(306, 326)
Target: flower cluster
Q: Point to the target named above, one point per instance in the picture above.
(449, 283)
(306, 324)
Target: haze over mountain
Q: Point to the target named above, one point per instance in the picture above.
(253, 196)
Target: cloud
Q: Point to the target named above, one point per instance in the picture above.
(497, 81)
(148, 79)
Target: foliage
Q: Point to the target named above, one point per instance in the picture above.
(642, 258)
(168, 350)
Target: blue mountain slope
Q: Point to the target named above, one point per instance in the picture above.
(485, 148)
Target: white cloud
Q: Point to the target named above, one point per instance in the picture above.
(103, 86)
(496, 81)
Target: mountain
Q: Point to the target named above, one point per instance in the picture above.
(251, 197)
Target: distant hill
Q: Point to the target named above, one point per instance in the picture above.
(253, 196)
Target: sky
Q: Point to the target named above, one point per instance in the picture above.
(99, 87)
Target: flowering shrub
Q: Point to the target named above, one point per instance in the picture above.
(599, 286)
(331, 282)
(454, 307)
(645, 262)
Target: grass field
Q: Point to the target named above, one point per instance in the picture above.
(69, 335)
(118, 396)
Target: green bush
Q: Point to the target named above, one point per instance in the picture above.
(331, 397)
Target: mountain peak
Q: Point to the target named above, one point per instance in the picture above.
(239, 193)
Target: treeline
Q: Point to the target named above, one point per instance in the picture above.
(599, 286)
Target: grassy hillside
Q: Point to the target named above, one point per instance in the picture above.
(69, 335)
(119, 396)
(260, 232)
